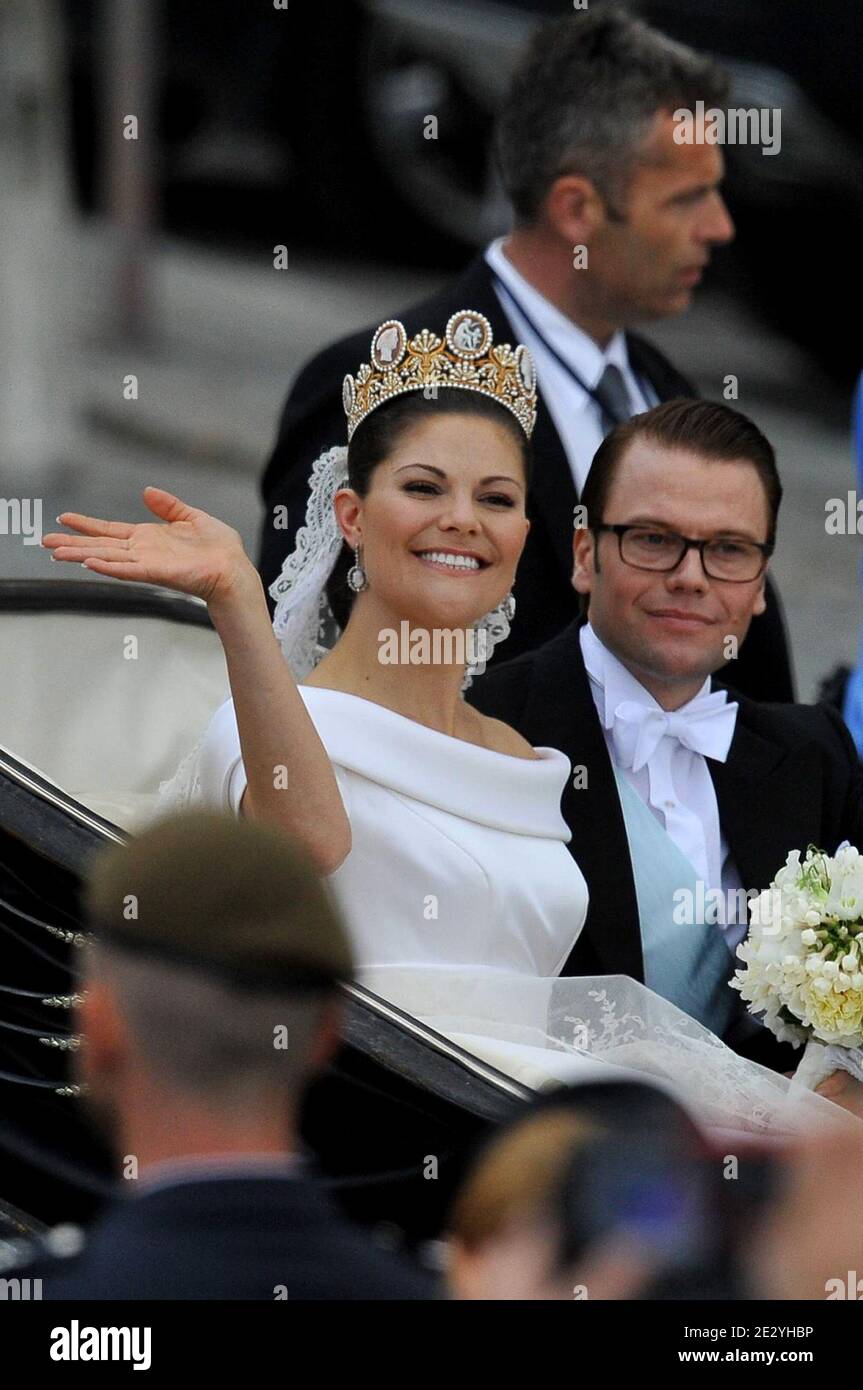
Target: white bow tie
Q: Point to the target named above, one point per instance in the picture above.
(705, 725)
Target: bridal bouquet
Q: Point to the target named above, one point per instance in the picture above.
(803, 958)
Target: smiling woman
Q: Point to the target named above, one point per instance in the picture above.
(399, 428)
(433, 507)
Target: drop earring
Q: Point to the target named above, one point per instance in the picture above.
(357, 579)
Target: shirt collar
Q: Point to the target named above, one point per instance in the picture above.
(611, 682)
(170, 1172)
(574, 345)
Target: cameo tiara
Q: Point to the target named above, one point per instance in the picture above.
(465, 359)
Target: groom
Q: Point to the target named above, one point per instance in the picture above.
(683, 794)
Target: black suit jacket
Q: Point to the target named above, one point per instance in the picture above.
(313, 420)
(792, 778)
(227, 1238)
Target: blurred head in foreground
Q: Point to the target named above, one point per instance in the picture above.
(604, 1191)
(501, 1227)
(209, 988)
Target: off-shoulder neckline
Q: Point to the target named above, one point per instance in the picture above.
(424, 728)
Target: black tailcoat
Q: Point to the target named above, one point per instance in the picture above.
(792, 778)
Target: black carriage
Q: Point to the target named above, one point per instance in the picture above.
(106, 686)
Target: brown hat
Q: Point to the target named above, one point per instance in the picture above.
(230, 896)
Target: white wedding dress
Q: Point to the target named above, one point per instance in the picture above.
(463, 903)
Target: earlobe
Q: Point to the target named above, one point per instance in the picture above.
(760, 603)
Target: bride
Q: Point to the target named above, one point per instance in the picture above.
(439, 828)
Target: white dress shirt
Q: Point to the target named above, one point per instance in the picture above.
(576, 415)
(690, 815)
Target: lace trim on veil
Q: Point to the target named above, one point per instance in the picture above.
(567, 1029)
(303, 614)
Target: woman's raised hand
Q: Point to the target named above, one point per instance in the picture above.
(188, 550)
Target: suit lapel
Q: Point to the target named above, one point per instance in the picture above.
(560, 713)
(770, 801)
(646, 362)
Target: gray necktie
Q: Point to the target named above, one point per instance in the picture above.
(613, 398)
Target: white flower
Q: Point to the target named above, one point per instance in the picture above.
(813, 906)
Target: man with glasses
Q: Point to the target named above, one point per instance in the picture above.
(685, 797)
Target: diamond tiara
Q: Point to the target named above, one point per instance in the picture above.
(465, 359)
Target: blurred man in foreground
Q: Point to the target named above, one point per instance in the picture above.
(210, 1003)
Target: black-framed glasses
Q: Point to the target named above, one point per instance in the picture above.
(650, 548)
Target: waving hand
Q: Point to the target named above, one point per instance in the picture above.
(187, 550)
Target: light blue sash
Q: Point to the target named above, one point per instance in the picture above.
(686, 962)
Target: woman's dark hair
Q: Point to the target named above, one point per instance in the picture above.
(377, 436)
